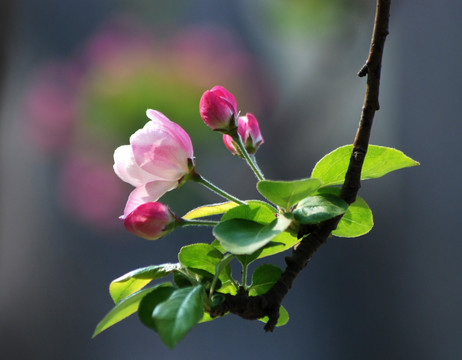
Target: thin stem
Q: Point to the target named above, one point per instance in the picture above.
(199, 179)
(250, 159)
(195, 222)
(244, 276)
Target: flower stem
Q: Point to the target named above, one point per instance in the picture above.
(250, 159)
(198, 178)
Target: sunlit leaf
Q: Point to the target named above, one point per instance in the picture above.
(258, 211)
(263, 278)
(356, 221)
(209, 210)
(131, 282)
(174, 317)
(287, 193)
(282, 320)
(124, 308)
(380, 160)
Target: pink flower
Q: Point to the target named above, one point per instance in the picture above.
(158, 157)
(151, 221)
(249, 130)
(218, 109)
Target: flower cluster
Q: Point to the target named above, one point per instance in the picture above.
(160, 158)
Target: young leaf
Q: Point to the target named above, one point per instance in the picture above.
(282, 320)
(380, 160)
(356, 221)
(317, 208)
(209, 210)
(174, 317)
(131, 282)
(223, 268)
(263, 278)
(124, 308)
(287, 193)
(241, 237)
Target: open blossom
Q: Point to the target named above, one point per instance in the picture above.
(158, 157)
(249, 130)
(218, 109)
(151, 221)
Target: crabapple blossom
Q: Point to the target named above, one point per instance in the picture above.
(218, 109)
(151, 221)
(249, 131)
(157, 159)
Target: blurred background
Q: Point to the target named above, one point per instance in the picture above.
(76, 77)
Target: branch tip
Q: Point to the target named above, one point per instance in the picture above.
(363, 71)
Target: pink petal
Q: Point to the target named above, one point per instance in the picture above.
(175, 130)
(149, 192)
(128, 170)
(222, 92)
(150, 220)
(156, 149)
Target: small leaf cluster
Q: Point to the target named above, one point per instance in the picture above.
(202, 277)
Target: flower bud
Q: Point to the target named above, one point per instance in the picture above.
(150, 220)
(218, 109)
(249, 131)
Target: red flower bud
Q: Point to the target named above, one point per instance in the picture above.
(249, 131)
(218, 109)
(150, 220)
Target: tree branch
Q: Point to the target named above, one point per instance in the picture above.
(255, 307)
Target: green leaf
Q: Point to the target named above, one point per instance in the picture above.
(131, 282)
(206, 257)
(356, 221)
(124, 308)
(240, 236)
(283, 317)
(280, 243)
(287, 193)
(174, 317)
(149, 302)
(380, 160)
(263, 278)
(209, 210)
(223, 268)
(263, 213)
(317, 208)
(255, 210)
(200, 256)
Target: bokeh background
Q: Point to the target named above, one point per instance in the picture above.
(76, 79)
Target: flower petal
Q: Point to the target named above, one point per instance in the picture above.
(149, 192)
(150, 220)
(128, 170)
(157, 150)
(175, 130)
